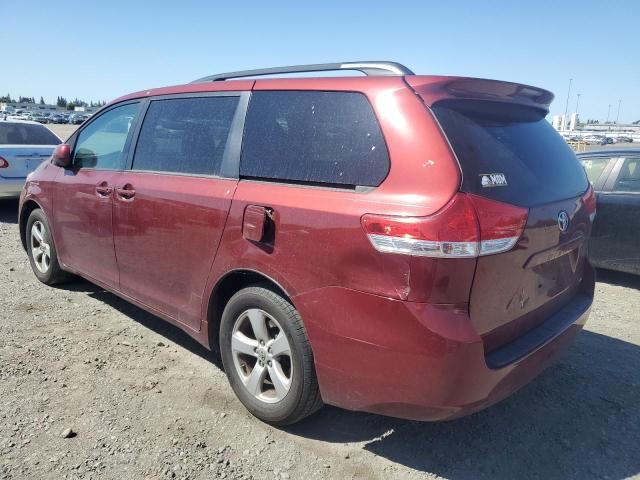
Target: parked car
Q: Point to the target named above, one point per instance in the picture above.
(615, 175)
(57, 118)
(23, 146)
(393, 243)
(595, 139)
(76, 119)
(623, 139)
(38, 117)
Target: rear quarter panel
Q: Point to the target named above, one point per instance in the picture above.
(319, 240)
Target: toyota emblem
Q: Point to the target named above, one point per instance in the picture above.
(563, 221)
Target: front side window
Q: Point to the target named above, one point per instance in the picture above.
(185, 135)
(101, 144)
(313, 137)
(594, 167)
(629, 176)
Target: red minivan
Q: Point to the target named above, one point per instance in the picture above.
(408, 245)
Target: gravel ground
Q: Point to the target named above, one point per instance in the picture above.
(143, 400)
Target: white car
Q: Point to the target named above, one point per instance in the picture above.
(23, 146)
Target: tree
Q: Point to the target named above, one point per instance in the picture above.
(41, 100)
(62, 102)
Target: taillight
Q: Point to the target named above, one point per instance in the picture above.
(467, 227)
(501, 224)
(3, 163)
(589, 200)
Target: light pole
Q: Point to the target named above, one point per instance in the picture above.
(577, 103)
(566, 106)
(618, 115)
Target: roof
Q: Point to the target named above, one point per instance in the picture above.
(609, 152)
(28, 122)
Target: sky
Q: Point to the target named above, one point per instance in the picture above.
(99, 50)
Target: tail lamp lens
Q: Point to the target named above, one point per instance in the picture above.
(589, 200)
(467, 227)
(501, 224)
(3, 163)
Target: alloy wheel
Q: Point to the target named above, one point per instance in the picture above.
(262, 355)
(40, 249)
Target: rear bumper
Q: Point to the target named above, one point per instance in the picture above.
(11, 187)
(419, 361)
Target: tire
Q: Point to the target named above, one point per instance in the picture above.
(49, 273)
(246, 360)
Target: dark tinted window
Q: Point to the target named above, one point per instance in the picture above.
(26, 134)
(102, 143)
(316, 137)
(510, 153)
(629, 176)
(185, 135)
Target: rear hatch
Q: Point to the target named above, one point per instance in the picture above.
(509, 153)
(20, 160)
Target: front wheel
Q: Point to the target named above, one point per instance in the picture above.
(267, 357)
(42, 251)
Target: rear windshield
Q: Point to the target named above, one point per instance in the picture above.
(26, 134)
(510, 153)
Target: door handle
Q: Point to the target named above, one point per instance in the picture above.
(127, 192)
(103, 189)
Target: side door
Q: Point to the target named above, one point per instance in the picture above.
(84, 193)
(598, 168)
(171, 204)
(617, 226)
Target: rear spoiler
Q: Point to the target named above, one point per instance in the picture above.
(435, 89)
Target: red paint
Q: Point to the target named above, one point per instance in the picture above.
(393, 334)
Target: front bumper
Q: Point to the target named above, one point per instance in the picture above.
(11, 187)
(417, 361)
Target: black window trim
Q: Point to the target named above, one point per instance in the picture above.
(127, 145)
(315, 184)
(230, 165)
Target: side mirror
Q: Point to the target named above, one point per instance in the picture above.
(62, 155)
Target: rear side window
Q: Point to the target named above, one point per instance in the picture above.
(185, 135)
(313, 137)
(25, 134)
(629, 176)
(510, 153)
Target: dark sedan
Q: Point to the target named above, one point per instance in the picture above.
(615, 176)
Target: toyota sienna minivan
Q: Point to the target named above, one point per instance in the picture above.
(408, 245)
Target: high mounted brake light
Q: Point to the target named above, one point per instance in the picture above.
(468, 227)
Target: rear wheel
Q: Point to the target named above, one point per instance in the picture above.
(42, 251)
(267, 357)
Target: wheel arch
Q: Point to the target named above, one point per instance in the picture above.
(227, 286)
(28, 207)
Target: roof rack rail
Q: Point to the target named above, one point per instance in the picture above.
(372, 68)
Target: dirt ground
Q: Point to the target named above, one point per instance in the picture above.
(148, 402)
